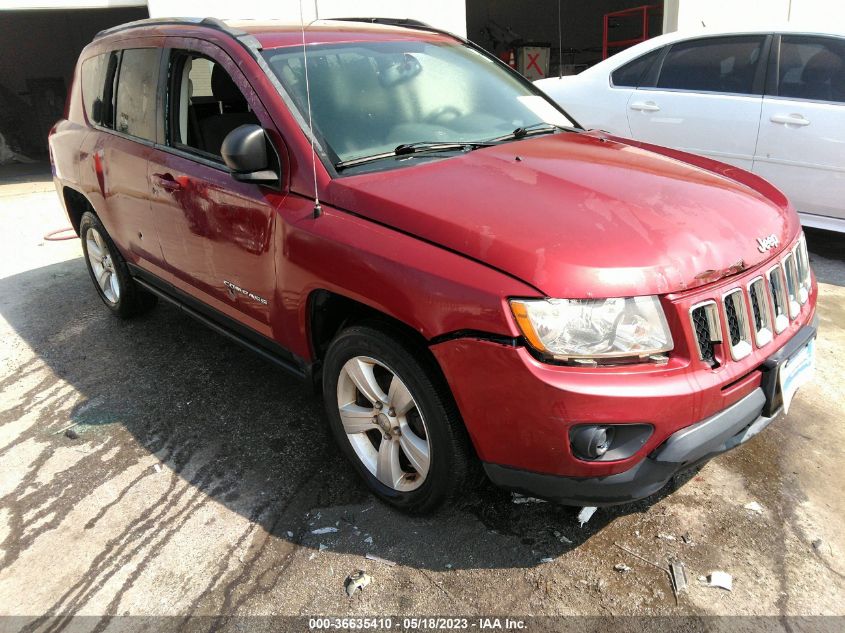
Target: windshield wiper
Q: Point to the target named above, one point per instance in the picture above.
(420, 147)
(529, 130)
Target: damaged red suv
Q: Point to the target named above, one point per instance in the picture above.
(465, 272)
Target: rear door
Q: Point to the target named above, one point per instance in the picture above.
(216, 232)
(801, 148)
(705, 98)
(125, 131)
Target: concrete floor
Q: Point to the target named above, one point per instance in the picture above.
(200, 472)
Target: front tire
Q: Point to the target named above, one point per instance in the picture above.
(109, 272)
(393, 417)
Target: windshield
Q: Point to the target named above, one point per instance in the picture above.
(368, 98)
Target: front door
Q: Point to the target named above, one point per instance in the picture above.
(801, 148)
(216, 233)
(706, 99)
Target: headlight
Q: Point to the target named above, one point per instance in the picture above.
(594, 329)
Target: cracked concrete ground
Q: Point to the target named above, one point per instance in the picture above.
(200, 471)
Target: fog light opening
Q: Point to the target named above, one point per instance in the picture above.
(592, 442)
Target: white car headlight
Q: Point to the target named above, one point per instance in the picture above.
(594, 329)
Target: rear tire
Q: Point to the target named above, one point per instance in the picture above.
(394, 418)
(109, 272)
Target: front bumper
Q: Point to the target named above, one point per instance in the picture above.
(683, 449)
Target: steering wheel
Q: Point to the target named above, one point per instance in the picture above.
(448, 112)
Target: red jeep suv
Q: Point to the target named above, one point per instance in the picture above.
(468, 275)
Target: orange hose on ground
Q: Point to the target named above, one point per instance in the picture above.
(56, 236)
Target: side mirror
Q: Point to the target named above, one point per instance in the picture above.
(244, 151)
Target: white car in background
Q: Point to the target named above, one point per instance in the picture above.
(768, 100)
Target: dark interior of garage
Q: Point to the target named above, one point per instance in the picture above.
(38, 50)
(36, 69)
(572, 30)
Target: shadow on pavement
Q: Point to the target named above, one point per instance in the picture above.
(35, 172)
(827, 252)
(238, 430)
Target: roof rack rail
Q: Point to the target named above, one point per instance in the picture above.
(213, 23)
(250, 42)
(407, 22)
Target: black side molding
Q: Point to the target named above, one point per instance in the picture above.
(220, 323)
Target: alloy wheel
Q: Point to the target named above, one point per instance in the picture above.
(383, 423)
(102, 265)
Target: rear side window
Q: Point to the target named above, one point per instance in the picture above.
(135, 106)
(98, 74)
(631, 74)
(93, 85)
(720, 64)
(812, 68)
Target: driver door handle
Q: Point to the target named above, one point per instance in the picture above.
(790, 119)
(645, 106)
(167, 182)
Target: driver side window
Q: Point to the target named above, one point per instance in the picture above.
(205, 104)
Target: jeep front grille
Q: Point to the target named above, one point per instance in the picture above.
(778, 293)
(760, 312)
(790, 271)
(705, 325)
(736, 318)
(802, 265)
(763, 308)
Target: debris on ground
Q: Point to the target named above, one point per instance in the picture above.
(518, 498)
(562, 538)
(324, 530)
(157, 468)
(686, 538)
(378, 559)
(817, 543)
(678, 574)
(754, 507)
(720, 579)
(322, 547)
(356, 582)
(71, 434)
(64, 429)
(621, 567)
(289, 534)
(642, 558)
(585, 514)
(666, 537)
(546, 560)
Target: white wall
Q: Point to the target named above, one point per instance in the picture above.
(684, 15)
(445, 14)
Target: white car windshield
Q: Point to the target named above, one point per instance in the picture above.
(368, 98)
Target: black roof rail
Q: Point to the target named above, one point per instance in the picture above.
(247, 40)
(406, 22)
(213, 23)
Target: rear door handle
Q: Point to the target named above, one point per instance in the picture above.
(645, 106)
(789, 119)
(167, 182)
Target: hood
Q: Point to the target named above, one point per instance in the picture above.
(581, 215)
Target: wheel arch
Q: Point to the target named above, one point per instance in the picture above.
(76, 204)
(329, 312)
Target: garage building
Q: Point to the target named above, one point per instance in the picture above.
(41, 39)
